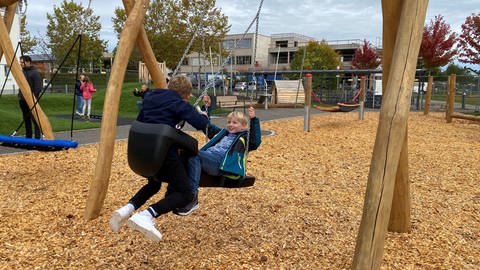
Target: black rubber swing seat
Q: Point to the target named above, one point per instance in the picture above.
(148, 145)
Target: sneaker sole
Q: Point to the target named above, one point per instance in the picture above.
(149, 234)
(116, 221)
(188, 212)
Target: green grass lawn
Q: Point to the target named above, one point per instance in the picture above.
(56, 106)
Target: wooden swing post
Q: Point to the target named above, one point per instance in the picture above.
(428, 96)
(391, 130)
(99, 184)
(158, 77)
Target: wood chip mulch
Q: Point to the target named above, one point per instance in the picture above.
(303, 212)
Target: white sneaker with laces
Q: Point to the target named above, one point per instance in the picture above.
(144, 223)
(120, 216)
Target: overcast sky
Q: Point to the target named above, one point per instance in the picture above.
(320, 19)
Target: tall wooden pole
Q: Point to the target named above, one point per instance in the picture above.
(361, 98)
(146, 51)
(6, 3)
(99, 184)
(451, 97)
(308, 102)
(391, 130)
(400, 212)
(38, 115)
(428, 96)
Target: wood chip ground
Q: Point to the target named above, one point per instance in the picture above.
(303, 212)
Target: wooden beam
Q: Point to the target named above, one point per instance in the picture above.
(400, 212)
(466, 116)
(99, 184)
(6, 3)
(428, 96)
(147, 53)
(38, 115)
(452, 79)
(391, 130)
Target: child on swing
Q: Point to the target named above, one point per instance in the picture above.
(164, 106)
(225, 154)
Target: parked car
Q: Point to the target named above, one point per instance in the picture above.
(240, 86)
(45, 83)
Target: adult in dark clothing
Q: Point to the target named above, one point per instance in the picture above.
(168, 107)
(79, 94)
(34, 80)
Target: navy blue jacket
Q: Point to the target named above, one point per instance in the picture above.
(163, 106)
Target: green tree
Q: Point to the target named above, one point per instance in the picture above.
(28, 43)
(170, 25)
(65, 24)
(319, 56)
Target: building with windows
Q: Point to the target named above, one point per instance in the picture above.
(274, 52)
(11, 86)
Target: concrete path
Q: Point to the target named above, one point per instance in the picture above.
(89, 136)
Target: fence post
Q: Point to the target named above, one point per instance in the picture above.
(308, 102)
(428, 96)
(451, 97)
(361, 98)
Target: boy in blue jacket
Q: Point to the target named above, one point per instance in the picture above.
(225, 154)
(163, 106)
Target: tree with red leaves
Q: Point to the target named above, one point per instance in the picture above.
(438, 42)
(366, 57)
(469, 40)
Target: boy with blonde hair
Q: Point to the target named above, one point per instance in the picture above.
(225, 154)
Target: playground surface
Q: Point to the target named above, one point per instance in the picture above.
(303, 212)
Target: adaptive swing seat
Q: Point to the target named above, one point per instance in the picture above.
(148, 145)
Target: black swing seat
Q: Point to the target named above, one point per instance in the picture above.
(207, 180)
(148, 145)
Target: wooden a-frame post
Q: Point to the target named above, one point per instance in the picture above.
(6, 48)
(391, 133)
(99, 184)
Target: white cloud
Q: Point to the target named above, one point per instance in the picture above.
(321, 19)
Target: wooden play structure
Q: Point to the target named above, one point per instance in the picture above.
(6, 49)
(288, 92)
(143, 73)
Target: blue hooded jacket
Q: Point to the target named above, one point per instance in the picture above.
(234, 161)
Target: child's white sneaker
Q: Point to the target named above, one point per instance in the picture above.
(120, 216)
(144, 223)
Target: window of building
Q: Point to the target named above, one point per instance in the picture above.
(228, 44)
(283, 58)
(281, 43)
(244, 43)
(244, 60)
(185, 61)
(348, 57)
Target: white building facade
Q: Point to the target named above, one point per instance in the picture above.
(11, 86)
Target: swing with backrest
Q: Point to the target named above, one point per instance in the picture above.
(148, 143)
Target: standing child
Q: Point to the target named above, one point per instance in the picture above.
(79, 94)
(164, 106)
(225, 154)
(87, 89)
